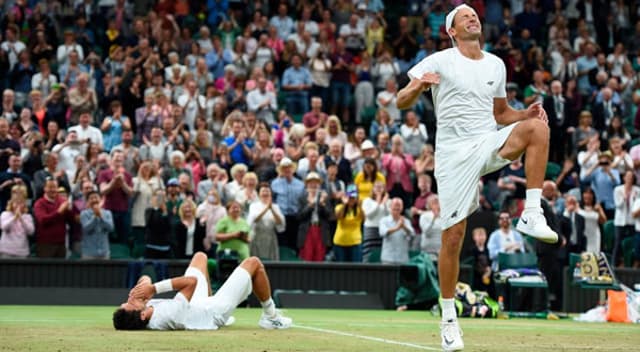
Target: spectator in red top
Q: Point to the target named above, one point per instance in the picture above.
(398, 165)
(52, 212)
(314, 119)
(116, 186)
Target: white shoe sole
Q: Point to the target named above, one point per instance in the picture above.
(547, 238)
(453, 349)
(269, 326)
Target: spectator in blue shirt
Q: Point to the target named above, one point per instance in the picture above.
(239, 145)
(287, 191)
(218, 58)
(283, 23)
(604, 179)
(504, 240)
(96, 223)
(296, 80)
(217, 10)
(585, 64)
(512, 97)
(70, 71)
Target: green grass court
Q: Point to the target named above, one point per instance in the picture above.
(57, 328)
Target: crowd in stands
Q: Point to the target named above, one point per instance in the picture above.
(177, 126)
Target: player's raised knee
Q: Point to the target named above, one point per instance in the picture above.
(537, 127)
(252, 264)
(255, 261)
(200, 256)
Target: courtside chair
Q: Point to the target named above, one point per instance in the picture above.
(526, 293)
(627, 251)
(119, 251)
(608, 236)
(553, 170)
(288, 255)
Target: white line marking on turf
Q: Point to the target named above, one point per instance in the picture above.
(43, 320)
(363, 337)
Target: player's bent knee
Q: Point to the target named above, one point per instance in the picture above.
(200, 256)
(537, 128)
(251, 264)
(255, 261)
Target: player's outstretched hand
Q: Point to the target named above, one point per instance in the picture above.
(143, 291)
(535, 111)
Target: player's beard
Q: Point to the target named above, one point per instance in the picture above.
(468, 35)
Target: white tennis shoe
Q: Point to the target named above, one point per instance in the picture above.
(533, 223)
(278, 321)
(230, 321)
(451, 336)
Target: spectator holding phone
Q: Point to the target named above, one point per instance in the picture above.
(603, 179)
(232, 231)
(158, 229)
(189, 231)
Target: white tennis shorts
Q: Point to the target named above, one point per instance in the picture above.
(233, 292)
(459, 167)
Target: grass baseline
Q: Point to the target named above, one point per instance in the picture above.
(85, 328)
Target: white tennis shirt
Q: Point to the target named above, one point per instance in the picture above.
(464, 98)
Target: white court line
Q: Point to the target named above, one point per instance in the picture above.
(363, 337)
(43, 320)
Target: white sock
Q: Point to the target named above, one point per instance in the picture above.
(533, 198)
(268, 307)
(448, 309)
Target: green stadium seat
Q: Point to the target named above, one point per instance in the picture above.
(150, 271)
(119, 251)
(138, 251)
(635, 141)
(374, 256)
(514, 288)
(288, 255)
(297, 118)
(627, 251)
(279, 292)
(212, 266)
(368, 114)
(517, 261)
(609, 235)
(553, 170)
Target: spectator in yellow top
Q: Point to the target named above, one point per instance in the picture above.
(367, 177)
(347, 241)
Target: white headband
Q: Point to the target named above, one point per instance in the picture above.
(451, 15)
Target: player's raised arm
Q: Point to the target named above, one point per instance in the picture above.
(505, 115)
(184, 284)
(408, 95)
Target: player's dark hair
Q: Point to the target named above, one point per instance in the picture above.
(128, 320)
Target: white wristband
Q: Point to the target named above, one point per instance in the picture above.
(163, 286)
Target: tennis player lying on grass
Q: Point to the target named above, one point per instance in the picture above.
(193, 307)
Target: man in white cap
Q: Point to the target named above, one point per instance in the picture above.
(470, 99)
(287, 191)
